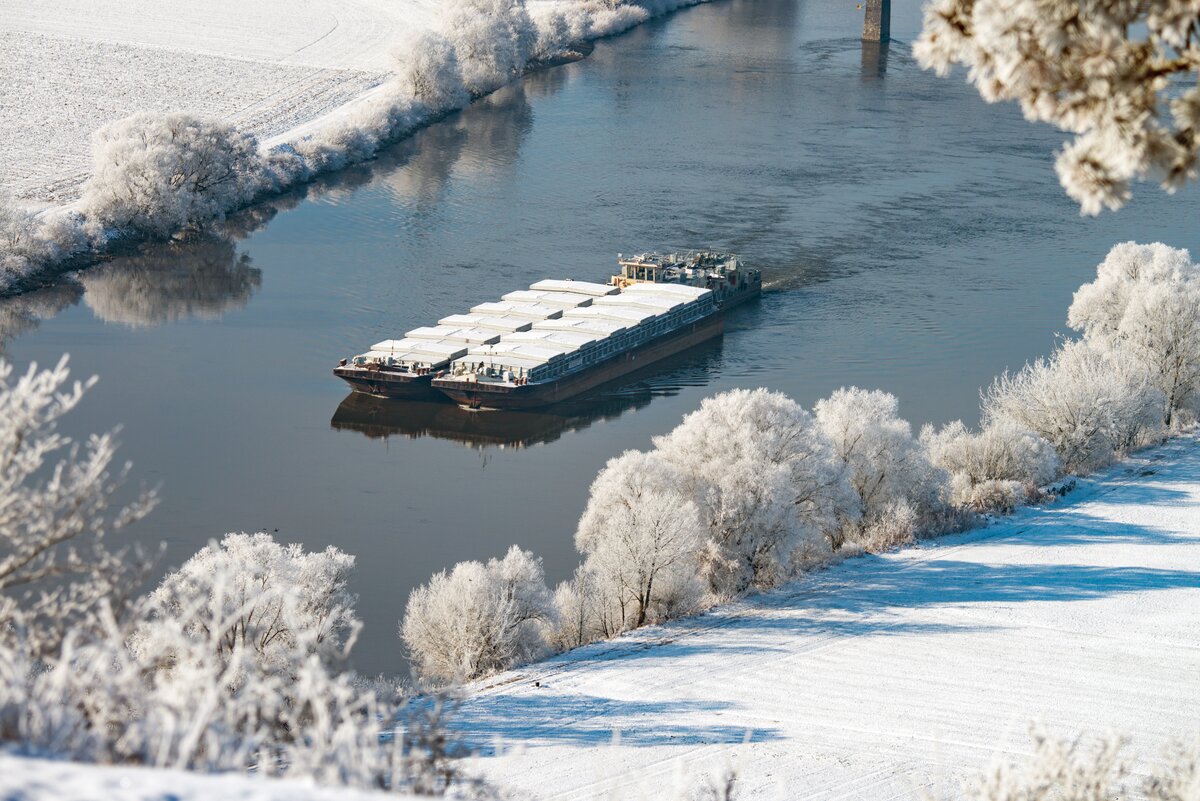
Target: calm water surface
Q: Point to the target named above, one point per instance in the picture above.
(914, 239)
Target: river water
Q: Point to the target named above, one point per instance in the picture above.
(914, 239)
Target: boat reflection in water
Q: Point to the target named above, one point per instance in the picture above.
(380, 418)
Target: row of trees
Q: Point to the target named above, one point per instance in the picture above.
(752, 489)
(155, 175)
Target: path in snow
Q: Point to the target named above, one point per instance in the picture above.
(889, 674)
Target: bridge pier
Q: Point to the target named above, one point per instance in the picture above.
(877, 21)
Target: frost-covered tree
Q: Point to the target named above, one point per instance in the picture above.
(554, 33)
(493, 40)
(56, 510)
(1146, 300)
(1121, 76)
(269, 599)
(992, 470)
(889, 471)
(178, 701)
(26, 243)
(641, 535)
(561, 27)
(427, 66)
(764, 480)
(159, 173)
(1089, 404)
(579, 612)
(478, 618)
(18, 240)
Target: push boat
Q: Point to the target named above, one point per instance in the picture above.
(560, 338)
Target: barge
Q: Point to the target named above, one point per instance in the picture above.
(404, 368)
(561, 338)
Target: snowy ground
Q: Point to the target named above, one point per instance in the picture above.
(70, 66)
(890, 674)
(24, 779)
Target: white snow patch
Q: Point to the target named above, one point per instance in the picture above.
(889, 674)
(28, 779)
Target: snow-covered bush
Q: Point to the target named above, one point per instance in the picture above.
(1090, 405)
(30, 243)
(889, 471)
(56, 509)
(1060, 769)
(159, 173)
(1146, 300)
(493, 40)
(177, 702)
(1001, 451)
(21, 250)
(990, 495)
(641, 535)
(762, 476)
(189, 696)
(560, 28)
(252, 593)
(1179, 778)
(428, 67)
(554, 32)
(478, 618)
(993, 470)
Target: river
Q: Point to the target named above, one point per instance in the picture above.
(914, 239)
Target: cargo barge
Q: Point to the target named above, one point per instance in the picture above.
(403, 368)
(561, 338)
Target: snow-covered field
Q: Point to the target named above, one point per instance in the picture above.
(270, 65)
(23, 779)
(886, 675)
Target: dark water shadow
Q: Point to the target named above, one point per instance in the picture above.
(382, 418)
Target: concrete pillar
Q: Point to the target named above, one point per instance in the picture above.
(877, 22)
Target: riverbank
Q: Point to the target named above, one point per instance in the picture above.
(886, 676)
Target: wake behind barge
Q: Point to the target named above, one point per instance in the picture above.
(560, 338)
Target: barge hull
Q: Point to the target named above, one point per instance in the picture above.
(474, 395)
(384, 384)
